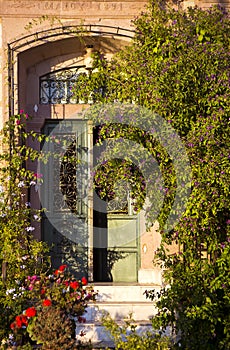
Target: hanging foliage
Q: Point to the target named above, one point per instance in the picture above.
(178, 66)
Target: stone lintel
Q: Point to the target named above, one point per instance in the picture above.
(63, 8)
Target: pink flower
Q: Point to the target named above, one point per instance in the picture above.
(31, 286)
(38, 175)
(34, 278)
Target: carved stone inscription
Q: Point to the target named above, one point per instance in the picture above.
(72, 8)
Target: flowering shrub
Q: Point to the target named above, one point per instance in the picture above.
(26, 291)
(178, 66)
(59, 291)
(20, 254)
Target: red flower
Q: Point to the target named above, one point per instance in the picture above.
(42, 291)
(31, 312)
(47, 302)
(19, 323)
(56, 272)
(74, 285)
(13, 325)
(62, 268)
(24, 320)
(66, 283)
(21, 320)
(84, 281)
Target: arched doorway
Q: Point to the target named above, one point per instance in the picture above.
(101, 255)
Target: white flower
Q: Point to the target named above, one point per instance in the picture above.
(36, 217)
(28, 204)
(25, 257)
(21, 184)
(32, 183)
(10, 291)
(30, 229)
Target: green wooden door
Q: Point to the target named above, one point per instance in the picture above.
(65, 224)
(64, 194)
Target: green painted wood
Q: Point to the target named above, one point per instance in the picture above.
(123, 247)
(118, 258)
(65, 201)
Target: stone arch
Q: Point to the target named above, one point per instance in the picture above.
(41, 52)
(38, 54)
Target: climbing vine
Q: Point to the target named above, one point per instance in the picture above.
(178, 66)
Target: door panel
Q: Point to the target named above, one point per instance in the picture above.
(123, 247)
(124, 268)
(64, 194)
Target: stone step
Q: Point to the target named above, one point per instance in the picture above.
(123, 293)
(99, 336)
(141, 311)
(119, 301)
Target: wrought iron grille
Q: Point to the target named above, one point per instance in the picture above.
(120, 203)
(56, 87)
